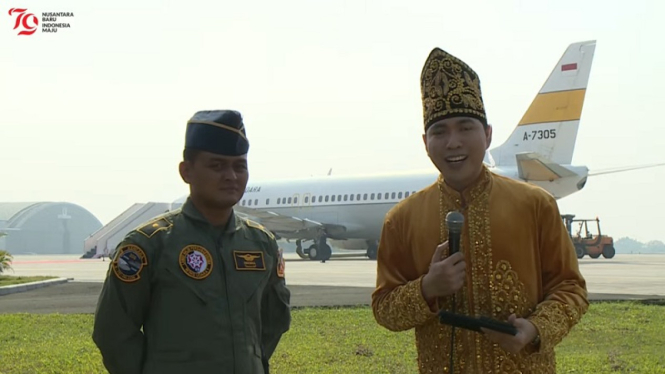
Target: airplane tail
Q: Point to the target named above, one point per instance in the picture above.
(549, 127)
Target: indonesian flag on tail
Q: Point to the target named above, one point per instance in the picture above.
(569, 67)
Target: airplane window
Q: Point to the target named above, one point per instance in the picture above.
(306, 199)
(413, 192)
(249, 202)
(372, 197)
(392, 195)
(339, 197)
(267, 201)
(289, 200)
(256, 201)
(346, 197)
(406, 194)
(386, 196)
(333, 197)
(378, 196)
(243, 202)
(295, 200)
(365, 197)
(278, 200)
(399, 195)
(358, 197)
(327, 198)
(321, 197)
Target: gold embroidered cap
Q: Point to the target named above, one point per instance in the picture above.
(450, 88)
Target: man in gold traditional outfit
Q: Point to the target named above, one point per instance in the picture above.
(516, 261)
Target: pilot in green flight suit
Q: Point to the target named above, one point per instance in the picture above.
(197, 290)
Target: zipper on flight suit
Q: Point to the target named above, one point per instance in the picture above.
(222, 268)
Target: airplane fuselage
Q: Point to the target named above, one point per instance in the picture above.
(355, 202)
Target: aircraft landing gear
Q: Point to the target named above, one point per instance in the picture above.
(299, 251)
(320, 251)
(372, 249)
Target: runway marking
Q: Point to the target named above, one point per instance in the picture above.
(46, 262)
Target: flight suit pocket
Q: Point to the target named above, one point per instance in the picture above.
(189, 285)
(251, 272)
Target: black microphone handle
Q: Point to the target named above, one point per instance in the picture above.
(453, 242)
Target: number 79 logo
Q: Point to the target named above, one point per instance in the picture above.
(27, 21)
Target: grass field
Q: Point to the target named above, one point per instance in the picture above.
(8, 280)
(626, 337)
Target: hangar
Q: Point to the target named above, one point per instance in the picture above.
(45, 227)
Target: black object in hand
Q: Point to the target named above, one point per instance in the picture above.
(474, 324)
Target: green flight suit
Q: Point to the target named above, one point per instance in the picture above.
(183, 296)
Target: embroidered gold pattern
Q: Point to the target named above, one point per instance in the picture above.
(404, 307)
(449, 87)
(509, 294)
(473, 352)
(554, 321)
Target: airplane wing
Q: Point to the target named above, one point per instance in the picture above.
(626, 168)
(533, 167)
(289, 226)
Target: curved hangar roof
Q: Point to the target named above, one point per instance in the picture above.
(46, 227)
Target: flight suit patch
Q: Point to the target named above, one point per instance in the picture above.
(280, 264)
(129, 262)
(249, 260)
(153, 227)
(195, 261)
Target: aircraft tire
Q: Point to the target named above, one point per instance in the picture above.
(313, 253)
(325, 252)
(372, 253)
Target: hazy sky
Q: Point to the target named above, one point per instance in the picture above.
(95, 114)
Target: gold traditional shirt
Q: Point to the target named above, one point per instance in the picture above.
(519, 258)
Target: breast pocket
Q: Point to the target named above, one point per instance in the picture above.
(183, 288)
(251, 271)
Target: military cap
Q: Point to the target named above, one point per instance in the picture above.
(449, 88)
(217, 131)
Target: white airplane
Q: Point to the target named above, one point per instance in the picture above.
(349, 210)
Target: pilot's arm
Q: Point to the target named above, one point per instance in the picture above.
(122, 307)
(275, 308)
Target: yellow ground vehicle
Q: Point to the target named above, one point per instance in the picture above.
(587, 242)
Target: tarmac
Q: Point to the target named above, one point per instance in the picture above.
(337, 282)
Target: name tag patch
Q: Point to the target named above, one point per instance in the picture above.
(196, 262)
(249, 260)
(129, 262)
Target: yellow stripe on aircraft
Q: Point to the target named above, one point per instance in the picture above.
(555, 107)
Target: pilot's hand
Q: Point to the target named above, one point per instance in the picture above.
(445, 276)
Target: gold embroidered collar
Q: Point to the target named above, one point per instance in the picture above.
(470, 194)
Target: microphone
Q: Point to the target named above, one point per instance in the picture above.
(455, 222)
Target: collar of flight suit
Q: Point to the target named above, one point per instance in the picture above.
(189, 210)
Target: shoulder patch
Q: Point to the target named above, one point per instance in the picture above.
(129, 262)
(280, 264)
(259, 226)
(152, 227)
